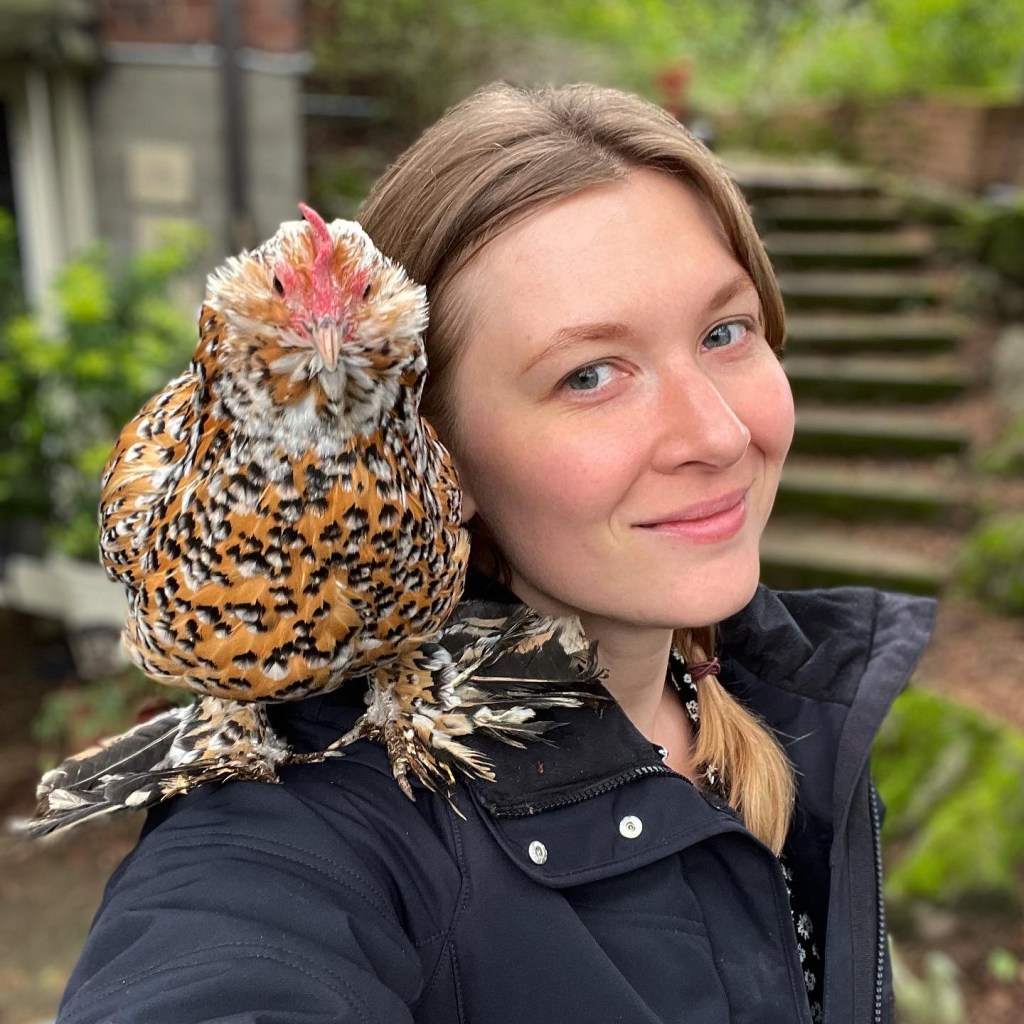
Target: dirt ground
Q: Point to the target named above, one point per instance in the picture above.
(49, 892)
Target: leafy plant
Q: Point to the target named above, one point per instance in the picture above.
(991, 564)
(1006, 456)
(340, 184)
(65, 396)
(415, 57)
(953, 783)
(880, 48)
(10, 271)
(72, 718)
(1002, 964)
(994, 235)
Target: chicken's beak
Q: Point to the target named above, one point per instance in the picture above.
(327, 338)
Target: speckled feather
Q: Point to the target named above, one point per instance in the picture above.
(275, 538)
(284, 520)
(482, 674)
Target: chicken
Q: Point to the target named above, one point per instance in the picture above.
(280, 515)
(284, 520)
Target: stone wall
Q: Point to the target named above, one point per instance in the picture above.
(158, 145)
(158, 119)
(958, 142)
(964, 143)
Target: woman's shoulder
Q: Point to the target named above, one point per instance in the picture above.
(828, 642)
(288, 889)
(339, 826)
(336, 819)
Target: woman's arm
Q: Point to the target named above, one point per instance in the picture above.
(252, 902)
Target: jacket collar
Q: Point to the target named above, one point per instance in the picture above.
(850, 648)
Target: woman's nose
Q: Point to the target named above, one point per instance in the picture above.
(698, 424)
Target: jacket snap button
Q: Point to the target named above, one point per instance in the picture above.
(538, 852)
(630, 826)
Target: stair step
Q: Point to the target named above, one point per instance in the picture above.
(876, 434)
(851, 332)
(863, 290)
(876, 379)
(829, 213)
(847, 250)
(860, 493)
(760, 179)
(795, 557)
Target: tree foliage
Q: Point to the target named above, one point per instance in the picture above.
(906, 47)
(953, 783)
(412, 57)
(64, 397)
(991, 563)
(417, 56)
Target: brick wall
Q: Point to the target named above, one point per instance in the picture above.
(1004, 141)
(969, 145)
(964, 144)
(274, 25)
(277, 26)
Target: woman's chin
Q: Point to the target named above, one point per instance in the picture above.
(701, 599)
(663, 593)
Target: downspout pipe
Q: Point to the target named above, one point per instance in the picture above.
(240, 229)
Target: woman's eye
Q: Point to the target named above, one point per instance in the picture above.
(725, 334)
(588, 378)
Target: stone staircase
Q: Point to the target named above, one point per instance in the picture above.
(873, 491)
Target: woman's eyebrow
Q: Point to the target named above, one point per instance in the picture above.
(611, 330)
(732, 288)
(566, 337)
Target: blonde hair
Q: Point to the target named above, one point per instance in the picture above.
(503, 153)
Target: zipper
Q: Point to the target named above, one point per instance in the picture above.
(879, 902)
(586, 793)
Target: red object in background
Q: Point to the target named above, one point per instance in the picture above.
(673, 83)
(276, 26)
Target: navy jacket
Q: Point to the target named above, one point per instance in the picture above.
(333, 898)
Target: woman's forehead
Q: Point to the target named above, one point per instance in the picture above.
(598, 249)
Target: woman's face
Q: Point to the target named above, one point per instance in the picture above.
(621, 419)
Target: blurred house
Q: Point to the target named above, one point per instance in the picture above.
(117, 116)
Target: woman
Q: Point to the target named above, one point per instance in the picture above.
(603, 348)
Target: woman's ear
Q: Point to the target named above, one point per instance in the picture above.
(469, 506)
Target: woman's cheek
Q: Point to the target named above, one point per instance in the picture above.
(545, 485)
(784, 419)
(767, 403)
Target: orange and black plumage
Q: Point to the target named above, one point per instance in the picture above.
(284, 520)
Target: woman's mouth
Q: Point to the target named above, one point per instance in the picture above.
(705, 522)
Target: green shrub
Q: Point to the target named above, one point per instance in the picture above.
(65, 396)
(74, 717)
(994, 235)
(1006, 456)
(991, 563)
(341, 183)
(10, 267)
(953, 783)
(1002, 242)
(415, 57)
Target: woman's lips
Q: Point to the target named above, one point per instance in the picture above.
(708, 523)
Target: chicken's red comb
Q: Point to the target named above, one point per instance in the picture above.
(322, 282)
(316, 222)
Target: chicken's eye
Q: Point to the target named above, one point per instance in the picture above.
(278, 287)
(366, 292)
